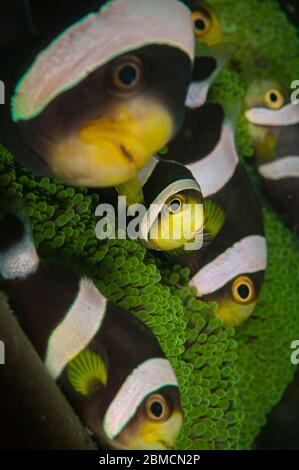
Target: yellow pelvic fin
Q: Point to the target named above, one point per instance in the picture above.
(132, 189)
(215, 218)
(85, 371)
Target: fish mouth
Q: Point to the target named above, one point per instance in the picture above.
(166, 445)
(127, 154)
(234, 314)
(100, 156)
(107, 149)
(123, 143)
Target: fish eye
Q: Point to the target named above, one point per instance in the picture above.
(202, 22)
(274, 99)
(175, 204)
(127, 73)
(157, 408)
(243, 290)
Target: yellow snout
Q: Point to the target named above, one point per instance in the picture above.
(234, 314)
(153, 436)
(173, 230)
(109, 150)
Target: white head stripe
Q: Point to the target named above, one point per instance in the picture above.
(286, 116)
(144, 174)
(247, 256)
(158, 203)
(214, 171)
(287, 167)
(198, 90)
(146, 379)
(96, 40)
(197, 94)
(20, 260)
(77, 329)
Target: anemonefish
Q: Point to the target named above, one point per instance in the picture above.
(98, 101)
(274, 128)
(174, 203)
(166, 204)
(231, 269)
(106, 361)
(169, 185)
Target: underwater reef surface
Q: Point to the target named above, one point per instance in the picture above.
(229, 379)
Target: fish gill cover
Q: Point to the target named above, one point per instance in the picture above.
(229, 379)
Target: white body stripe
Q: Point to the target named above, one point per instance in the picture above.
(20, 260)
(286, 116)
(287, 167)
(77, 329)
(214, 171)
(96, 40)
(146, 379)
(247, 256)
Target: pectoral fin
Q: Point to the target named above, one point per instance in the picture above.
(132, 189)
(215, 218)
(86, 371)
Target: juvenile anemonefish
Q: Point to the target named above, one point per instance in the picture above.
(231, 269)
(274, 128)
(169, 204)
(106, 361)
(174, 204)
(99, 101)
